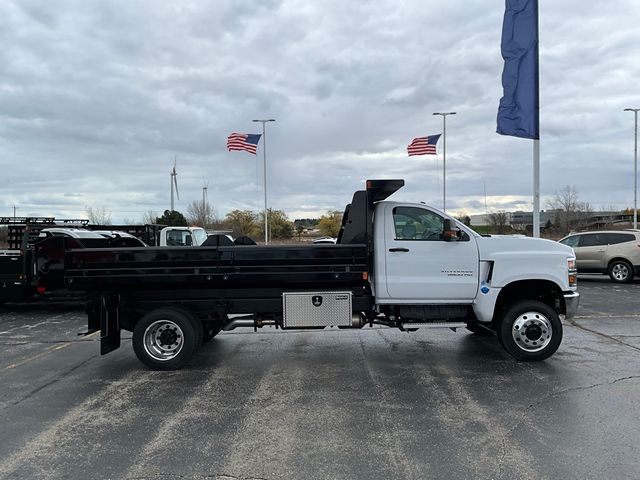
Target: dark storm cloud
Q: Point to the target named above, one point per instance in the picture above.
(96, 99)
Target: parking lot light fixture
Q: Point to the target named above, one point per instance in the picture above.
(444, 157)
(264, 158)
(635, 167)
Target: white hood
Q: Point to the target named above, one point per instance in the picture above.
(490, 246)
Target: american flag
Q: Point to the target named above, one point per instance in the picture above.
(423, 145)
(243, 141)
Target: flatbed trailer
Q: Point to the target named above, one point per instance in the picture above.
(176, 299)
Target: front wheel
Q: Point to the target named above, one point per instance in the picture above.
(530, 331)
(621, 271)
(166, 338)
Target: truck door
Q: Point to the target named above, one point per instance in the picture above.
(421, 265)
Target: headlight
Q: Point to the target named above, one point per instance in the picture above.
(572, 272)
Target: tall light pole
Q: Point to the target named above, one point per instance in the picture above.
(264, 157)
(444, 157)
(635, 168)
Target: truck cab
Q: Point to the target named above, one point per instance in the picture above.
(431, 258)
(181, 237)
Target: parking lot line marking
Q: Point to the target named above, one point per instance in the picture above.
(42, 354)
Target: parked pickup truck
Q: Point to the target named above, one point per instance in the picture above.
(402, 265)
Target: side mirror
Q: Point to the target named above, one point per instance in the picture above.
(450, 233)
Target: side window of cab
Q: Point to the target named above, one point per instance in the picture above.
(412, 223)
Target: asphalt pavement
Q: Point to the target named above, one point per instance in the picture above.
(334, 404)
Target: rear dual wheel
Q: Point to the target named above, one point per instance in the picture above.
(167, 338)
(530, 331)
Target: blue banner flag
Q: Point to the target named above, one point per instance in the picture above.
(519, 110)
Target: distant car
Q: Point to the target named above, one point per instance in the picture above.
(612, 252)
(118, 239)
(69, 233)
(122, 239)
(329, 240)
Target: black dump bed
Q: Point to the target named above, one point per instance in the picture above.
(345, 265)
(216, 267)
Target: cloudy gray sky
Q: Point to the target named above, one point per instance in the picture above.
(96, 98)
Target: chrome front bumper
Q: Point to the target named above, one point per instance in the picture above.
(571, 301)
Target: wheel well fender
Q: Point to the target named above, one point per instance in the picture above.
(544, 291)
(617, 259)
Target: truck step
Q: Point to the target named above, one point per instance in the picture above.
(434, 325)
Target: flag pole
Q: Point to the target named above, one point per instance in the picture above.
(536, 188)
(519, 108)
(536, 141)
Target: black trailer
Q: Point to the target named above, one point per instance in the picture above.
(33, 266)
(174, 299)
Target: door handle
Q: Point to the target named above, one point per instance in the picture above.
(399, 249)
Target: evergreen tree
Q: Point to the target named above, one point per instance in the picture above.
(172, 218)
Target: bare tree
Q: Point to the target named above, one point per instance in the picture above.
(570, 212)
(499, 221)
(201, 213)
(98, 215)
(149, 218)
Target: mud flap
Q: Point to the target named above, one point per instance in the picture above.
(109, 323)
(93, 317)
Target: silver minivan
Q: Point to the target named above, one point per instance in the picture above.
(612, 252)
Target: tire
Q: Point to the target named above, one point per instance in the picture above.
(199, 328)
(210, 331)
(530, 331)
(166, 338)
(621, 271)
(478, 329)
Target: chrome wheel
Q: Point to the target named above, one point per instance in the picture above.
(163, 340)
(620, 272)
(532, 331)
